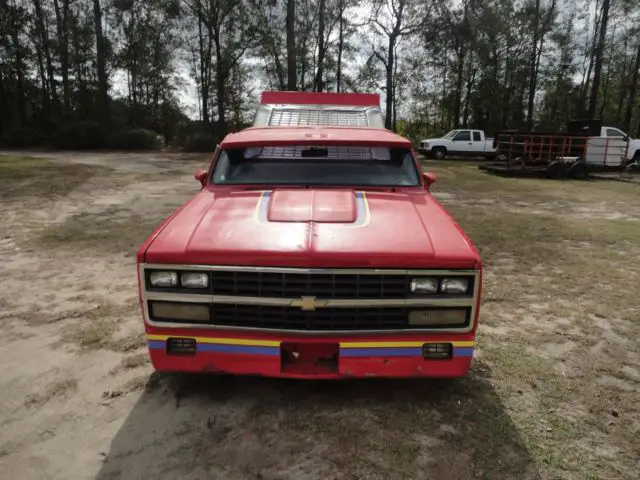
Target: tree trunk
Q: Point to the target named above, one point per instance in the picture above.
(222, 73)
(584, 88)
(22, 104)
(623, 83)
(388, 119)
(470, 79)
(459, 74)
(46, 53)
(44, 108)
(291, 45)
(632, 94)
(593, 100)
(205, 58)
(319, 87)
(605, 87)
(443, 119)
(533, 80)
(103, 94)
(3, 104)
(340, 48)
(62, 23)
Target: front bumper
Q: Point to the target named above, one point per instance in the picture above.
(389, 355)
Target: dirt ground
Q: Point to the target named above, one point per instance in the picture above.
(554, 392)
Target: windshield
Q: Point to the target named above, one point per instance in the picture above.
(319, 165)
(450, 134)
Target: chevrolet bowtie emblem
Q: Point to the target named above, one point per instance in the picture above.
(308, 303)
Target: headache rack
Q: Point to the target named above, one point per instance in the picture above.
(303, 109)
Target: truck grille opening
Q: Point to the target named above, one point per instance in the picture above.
(324, 319)
(181, 346)
(294, 285)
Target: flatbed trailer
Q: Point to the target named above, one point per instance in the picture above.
(575, 153)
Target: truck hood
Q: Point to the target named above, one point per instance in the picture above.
(302, 227)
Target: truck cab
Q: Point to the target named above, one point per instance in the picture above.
(312, 251)
(594, 128)
(633, 145)
(460, 143)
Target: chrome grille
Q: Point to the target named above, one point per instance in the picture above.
(334, 118)
(324, 319)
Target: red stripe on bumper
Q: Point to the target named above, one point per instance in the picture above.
(348, 367)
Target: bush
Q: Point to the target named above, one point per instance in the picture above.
(136, 139)
(79, 136)
(23, 138)
(199, 142)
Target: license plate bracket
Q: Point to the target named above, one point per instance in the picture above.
(305, 358)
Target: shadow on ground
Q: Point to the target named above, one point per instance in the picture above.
(197, 427)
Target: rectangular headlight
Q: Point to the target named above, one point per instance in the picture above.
(448, 316)
(163, 279)
(424, 285)
(455, 285)
(193, 312)
(194, 280)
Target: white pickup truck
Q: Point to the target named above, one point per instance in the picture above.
(459, 143)
(633, 145)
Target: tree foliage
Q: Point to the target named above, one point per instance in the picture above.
(191, 70)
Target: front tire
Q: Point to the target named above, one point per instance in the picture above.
(438, 153)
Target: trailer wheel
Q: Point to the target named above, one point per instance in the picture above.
(556, 170)
(439, 153)
(578, 170)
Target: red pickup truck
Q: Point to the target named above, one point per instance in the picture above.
(312, 250)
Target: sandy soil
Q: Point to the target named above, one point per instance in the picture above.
(78, 399)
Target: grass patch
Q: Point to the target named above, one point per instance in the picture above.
(94, 336)
(555, 276)
(131, 361)
(22, 177)
(111, 231)
(97, 328)
(53, 390)
(467, 180)
(127, 344)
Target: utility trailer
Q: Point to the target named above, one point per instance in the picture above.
(575, 153)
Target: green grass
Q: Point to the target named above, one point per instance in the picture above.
(112, 231)
(24, 177)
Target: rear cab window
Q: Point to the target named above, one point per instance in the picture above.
(316, 165)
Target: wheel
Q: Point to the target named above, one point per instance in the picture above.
(578, 171)
(636, 157)
(439, 153)
(556, 170)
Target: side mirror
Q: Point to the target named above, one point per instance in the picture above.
(201, 176)
(429, 179)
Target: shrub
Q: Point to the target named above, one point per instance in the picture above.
(136, 139)
(23, 138)
(199, 142)
(79, 136)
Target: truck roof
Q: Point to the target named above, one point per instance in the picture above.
(276, 136)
